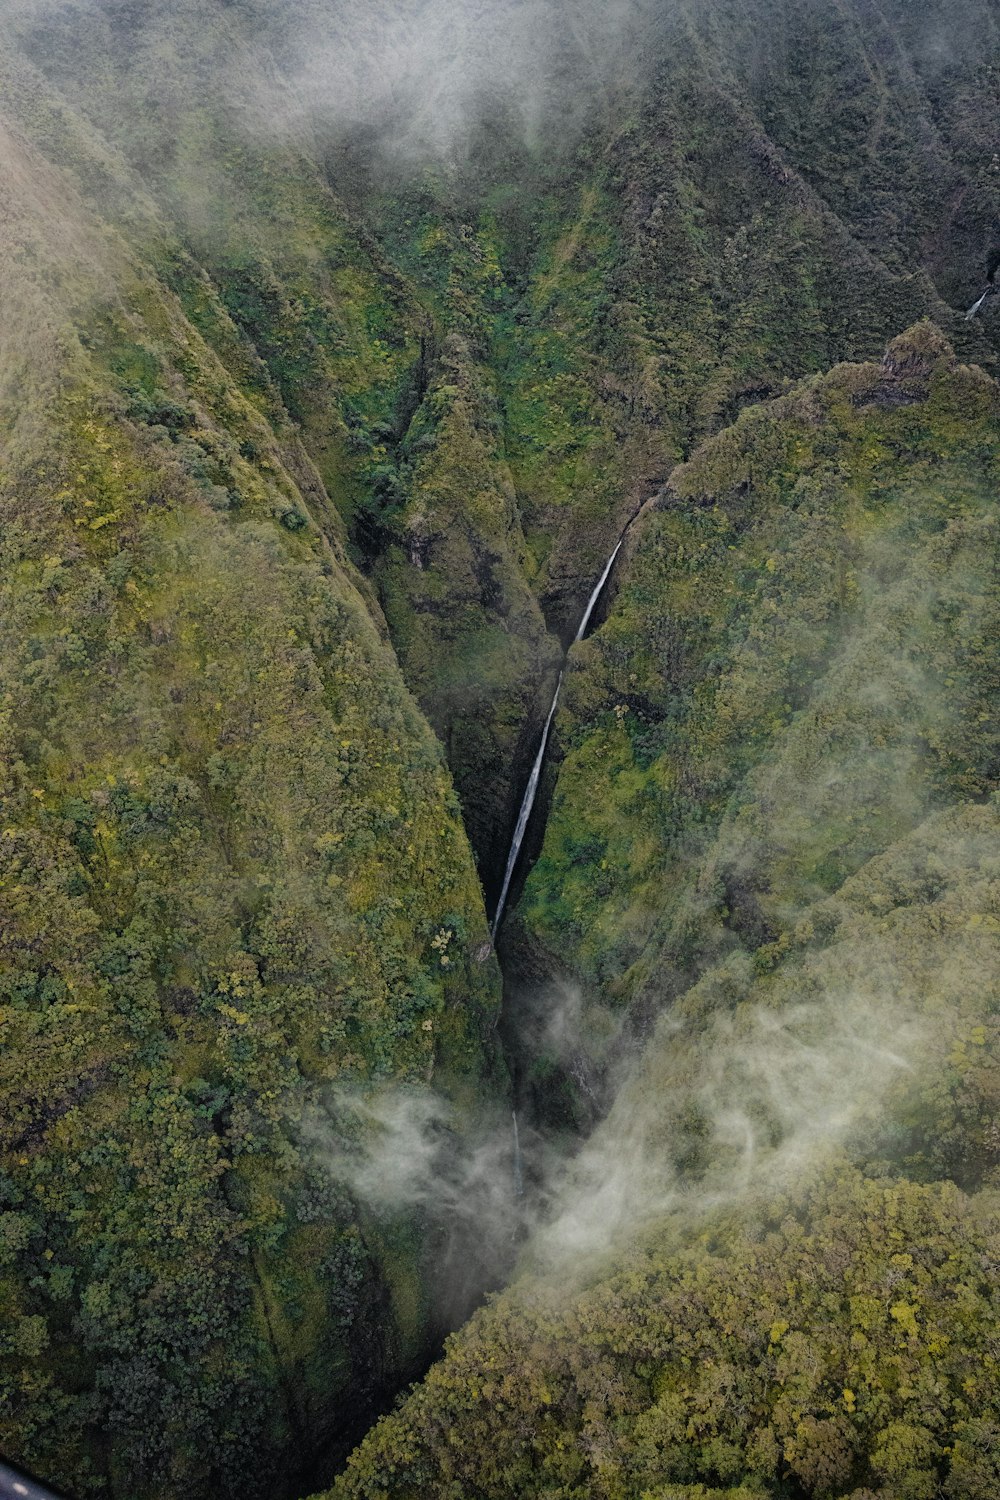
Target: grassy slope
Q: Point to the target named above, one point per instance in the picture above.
(235, 881)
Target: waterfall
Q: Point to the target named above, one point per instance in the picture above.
(973, 310)
(592, 601)
(518, 1173)
(536, 771)
(526, 806)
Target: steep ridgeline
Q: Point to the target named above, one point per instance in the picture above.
(235, 894)
(697, 251)
(773, 849)
(764, 1360)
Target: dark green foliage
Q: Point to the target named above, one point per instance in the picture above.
(787, 1325)
(229, 839)
(809, 608)
(796, 673)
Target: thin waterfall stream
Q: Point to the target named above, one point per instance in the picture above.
(531, 791)
(518, 1169)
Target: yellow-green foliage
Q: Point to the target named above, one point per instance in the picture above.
(233, 876)
(797, 668)
(838, 1343)
(229, 849)
(619, 291)
(470, 636)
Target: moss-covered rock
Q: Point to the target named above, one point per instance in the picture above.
(761, 1278)
(280, 403)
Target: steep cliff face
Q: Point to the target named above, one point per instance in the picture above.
(236, 894)
(499, 316)
(795, 670)
(320, 412)
(719, 230)
(770, 871)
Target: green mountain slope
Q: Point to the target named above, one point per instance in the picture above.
(759, 1278)
(766, 1359)
(796, 670)
(235, 889)
(339, 343)
(493, 354)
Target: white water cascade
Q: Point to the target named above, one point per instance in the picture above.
(536, 771)
(599, 589)
(518, 1172)
(973, 310)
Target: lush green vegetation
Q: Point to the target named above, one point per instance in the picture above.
(235, 890)
(796, 670)
(299, 418)
(843, 1343)
(761, 1279)
(602, 292)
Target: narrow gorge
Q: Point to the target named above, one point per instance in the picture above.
(499, 752)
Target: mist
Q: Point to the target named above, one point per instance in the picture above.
(413, 77)
(742, 1108)
(753, 1080)
(776, 1056)
(405, 1154)
(419, 74)
(743, 1089)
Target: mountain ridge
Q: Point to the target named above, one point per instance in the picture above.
(320, 417)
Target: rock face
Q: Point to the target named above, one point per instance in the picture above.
(318, 420)
(495, 350)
